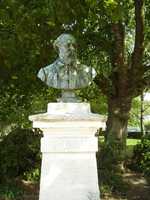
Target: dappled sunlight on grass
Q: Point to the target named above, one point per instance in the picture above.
(130, 144)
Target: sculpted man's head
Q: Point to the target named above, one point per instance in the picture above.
(66, 72)
(66, 46)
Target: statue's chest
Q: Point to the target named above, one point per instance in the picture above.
(67, 78)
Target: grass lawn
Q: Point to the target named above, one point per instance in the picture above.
(130, 144)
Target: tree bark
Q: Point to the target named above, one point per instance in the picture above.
(118, 116)
(136, 65)
(119, 101)
(116, 132)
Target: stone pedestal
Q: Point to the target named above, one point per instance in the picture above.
(69, 169)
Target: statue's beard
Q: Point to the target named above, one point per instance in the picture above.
(68, 58)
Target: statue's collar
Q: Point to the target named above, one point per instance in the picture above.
(61, 63)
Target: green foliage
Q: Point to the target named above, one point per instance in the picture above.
(32, 175)
(111, 155)
(95, 97)
(24, 48)
(10, 191)
(111, 182)
(134, 119)
(135, 113)
(19, 153)
(141, 156)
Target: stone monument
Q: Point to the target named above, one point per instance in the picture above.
(67, 73)
(69, 144)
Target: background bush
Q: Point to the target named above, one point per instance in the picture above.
(19, 153)
(141, 156)
(109, 172)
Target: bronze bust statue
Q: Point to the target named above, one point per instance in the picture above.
(66, 72)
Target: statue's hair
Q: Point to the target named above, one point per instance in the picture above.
(63, 39)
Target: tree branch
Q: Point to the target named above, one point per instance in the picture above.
(120, 69)
(139, 37)
(136, 70)
(118, 56)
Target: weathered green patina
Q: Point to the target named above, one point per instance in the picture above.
(67, 73)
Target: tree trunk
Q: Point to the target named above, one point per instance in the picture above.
(124, 83)
(116, 132)
(142, 115)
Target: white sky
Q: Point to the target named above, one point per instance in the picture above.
(147, 96)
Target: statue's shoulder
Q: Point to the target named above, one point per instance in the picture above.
(48, 68)
(88, 70)
(44, 72)
(54, 67)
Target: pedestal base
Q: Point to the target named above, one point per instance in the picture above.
(69, 169)
(69, 177)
